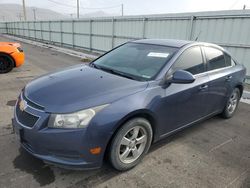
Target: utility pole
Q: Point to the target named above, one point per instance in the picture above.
(244, 7)
(122, 9)
(34, 13)
(78, 14)
(19, 15)
(24, 11)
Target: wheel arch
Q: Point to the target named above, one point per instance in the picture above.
(9, 55)
(241, 88)
(142, 113)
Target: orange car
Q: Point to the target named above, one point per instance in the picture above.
(11, 55)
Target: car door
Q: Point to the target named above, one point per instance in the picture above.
(184, 104)
(220, 76)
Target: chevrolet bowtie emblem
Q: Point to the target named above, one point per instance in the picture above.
(22, 105)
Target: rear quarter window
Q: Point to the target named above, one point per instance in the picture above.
(215, 58)
(229, 61)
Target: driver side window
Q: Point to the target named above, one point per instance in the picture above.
(190, 60)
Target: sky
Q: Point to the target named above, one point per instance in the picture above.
(134, 7)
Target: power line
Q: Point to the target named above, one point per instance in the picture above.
(102, 7)
(236, 2)
(67, 5)
(59, 3)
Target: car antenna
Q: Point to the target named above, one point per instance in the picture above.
(198, 36)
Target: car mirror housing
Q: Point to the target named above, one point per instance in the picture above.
(181, 77)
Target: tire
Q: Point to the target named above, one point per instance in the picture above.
(6, 63)
(232, 104)
(130, 144)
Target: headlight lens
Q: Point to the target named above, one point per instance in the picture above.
(79, 119)
(20, 49)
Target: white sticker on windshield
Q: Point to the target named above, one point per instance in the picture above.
(157, 54)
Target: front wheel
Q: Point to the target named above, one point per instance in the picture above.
(232, 104)
(130, 144)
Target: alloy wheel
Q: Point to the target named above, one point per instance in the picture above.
(132, 144)
(232, 103)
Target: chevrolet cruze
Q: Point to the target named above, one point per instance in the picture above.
(127, 99)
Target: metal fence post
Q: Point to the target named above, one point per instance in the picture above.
(144, 27)
(6, 28)
(192, 18)
(14, 28)
(61, 33)
(23, 28)
(50, 32)
(113, 33)
(73, 33)
(18, 29)
(41, 26)
(28, 29)
(90, 35)
(35, 30)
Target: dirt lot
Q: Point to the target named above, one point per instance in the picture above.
(215, 153)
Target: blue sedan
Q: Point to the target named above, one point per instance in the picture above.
(127, 99)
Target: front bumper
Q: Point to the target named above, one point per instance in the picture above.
(68, 148)
(63, 156)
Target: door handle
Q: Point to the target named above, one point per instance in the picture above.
(203, 87)
(228, 78)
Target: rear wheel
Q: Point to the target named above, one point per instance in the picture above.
(6, 63)
(232, 104)
(130, 144)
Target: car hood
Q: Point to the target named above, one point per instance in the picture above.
(78, 88)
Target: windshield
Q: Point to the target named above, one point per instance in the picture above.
(135, 61)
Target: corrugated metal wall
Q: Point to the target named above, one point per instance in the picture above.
(230, 29)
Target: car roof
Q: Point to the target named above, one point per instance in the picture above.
(165, 42)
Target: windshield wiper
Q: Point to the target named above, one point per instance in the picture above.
(94, 65)
(112, 71)
(122, 74)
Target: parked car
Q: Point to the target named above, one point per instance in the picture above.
(11, 55)
(127, 99)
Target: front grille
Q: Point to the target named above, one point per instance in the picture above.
(25, 118)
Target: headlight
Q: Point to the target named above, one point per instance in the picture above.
(75, 120)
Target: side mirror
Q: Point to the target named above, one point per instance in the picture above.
(182, 77)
